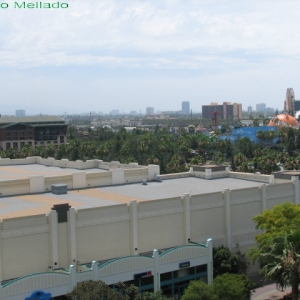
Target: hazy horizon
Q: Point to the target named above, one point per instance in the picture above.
(131, 55)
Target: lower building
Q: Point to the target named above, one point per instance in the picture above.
(15, 132)
(226, 111)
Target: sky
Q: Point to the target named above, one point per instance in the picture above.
(128, 55)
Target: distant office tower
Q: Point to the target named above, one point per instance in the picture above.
(20, 113)
(289, 103)
(261, 107)
(297, 105)
(150, 111)
(249, 110)
(185, 107)
(114, 112)
(228, 111)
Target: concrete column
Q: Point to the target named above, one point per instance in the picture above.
(153, 170)
(73, 277)
(54, 238)
(272, 179)
(72, 234)
(117, 176)
(95, 271)
(227, 212)
(210, 261)
(156, 275)
(79, 180)
(263, 197)
(134, 227)
(295, 180)
(208, 174)
(187, 217)
(37, 184)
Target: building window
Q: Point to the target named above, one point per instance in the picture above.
(7, 133)
(22, 144)
(7, 146)
(15, 144)
(62, 139)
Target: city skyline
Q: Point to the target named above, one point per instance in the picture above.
(129, 56)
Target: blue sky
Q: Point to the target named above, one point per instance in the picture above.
(128, 55)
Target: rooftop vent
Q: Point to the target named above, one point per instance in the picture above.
(158, 178)
(59, 189)
(144, 182)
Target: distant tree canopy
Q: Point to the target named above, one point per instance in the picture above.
(173, 152)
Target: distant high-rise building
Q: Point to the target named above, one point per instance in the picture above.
(228, 110)
(20, 113)
(114, 112)
(150, 111)
(185, 107)
(297, 105)
(289, 103)
(261, 107)
(249, 110)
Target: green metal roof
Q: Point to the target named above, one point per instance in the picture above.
(30, 120)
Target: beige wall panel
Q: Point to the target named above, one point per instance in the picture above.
(247, 194)
(14, 187)
(244, 239)
(276, 201)
(99, 179)
(279, 188)
(159, 232)
(106, 211)
(63, 246)
(66, 179)
(206, 199)
(103, 241)
(242, 216)
(25, 255)
(207, 223)
(135, 175)
(160, 204)
(24, 222)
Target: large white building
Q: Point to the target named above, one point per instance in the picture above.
(108, 225)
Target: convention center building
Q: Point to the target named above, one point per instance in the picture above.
(65, 222)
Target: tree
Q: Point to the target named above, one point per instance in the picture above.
(225, 261)
(94, 290)
(225, 287)
(278, 247)
(233, 286)
(198, 290)
(280, 261)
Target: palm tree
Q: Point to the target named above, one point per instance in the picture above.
(281, 261)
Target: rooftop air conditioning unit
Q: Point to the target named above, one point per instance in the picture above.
(59, 189)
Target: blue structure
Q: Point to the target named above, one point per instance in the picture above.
(249, 132)
(39, 295)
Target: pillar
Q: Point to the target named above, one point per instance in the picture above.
(295, 180)
(209, 261)
(227, 212)
(263, 197)
(72, 234)
(156, 275)
(54, 238)
(187, 217)
(134, 227)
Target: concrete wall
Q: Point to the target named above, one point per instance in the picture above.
(122, 230)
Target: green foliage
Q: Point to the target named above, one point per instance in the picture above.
(225, 261)
(278, 247)
(198, 290)
(94, 290)
(225, 287)
(233, 286)
(98, 290)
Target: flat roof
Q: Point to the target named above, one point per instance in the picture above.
(31, 119)
(25, 171)
(27, 205)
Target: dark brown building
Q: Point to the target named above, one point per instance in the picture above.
(36, 131)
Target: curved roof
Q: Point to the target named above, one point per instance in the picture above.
(284, 118)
